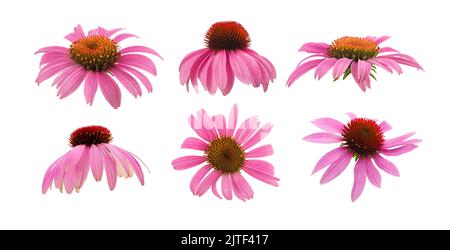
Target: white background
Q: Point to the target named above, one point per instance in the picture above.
(35, 124)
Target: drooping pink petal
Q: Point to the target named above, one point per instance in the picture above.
(261, 151)
(50, 173)
(72, 157)
(123, 166)
(399, 151)
(328, 159)
(236, 189)
(372, 173)
(77, 34)
(359, 180)
(240, 68)
(329, 124)
(386, 165)
(139, 49)
(189, 63)
(198, 177)
(402, 59)
(387, 49)
(302, 69)
(397, 141)
(227, 187)
(381, 65)
(315, 48)
(211, 82)
(207, 182)
(220, 124)
(194, 143)
(355, 73)
(51, 57)
(83, 168)
(73, 167)
(52, 69)
(214, 188)
(253, 67)
(262, 176)
(323, 68)
(364, 69)
(323, 137)
(186, 162)
(96, 162)
(138, 61)
(110, 167)
(204, 71)
(219, 70)
(260, 165)
(258, 136)
(390, 63)
(123, 36)
(145, 81)
(72, 83)
(336, 168)
(271, 72)
(340, 67)
(198, 127)
(232, 120)
(90, 86)
(380, 39)
(243, 185)
(110, 90)
(134, 163)
(385, 126)
(53, 49)
(230, 77)
(127, 81)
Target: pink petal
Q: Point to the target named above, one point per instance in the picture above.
(390, 63)
(134, 163)
(265, 62)
(386, 165)
(188, 63)
(52, 69)
(387, 49)
(72, 157)
(123, 166)
(262, 176)
(83, 168)
(198, 127)
(206, 183)
(243, 185)
(364, 68)
(194, 71)
(110, 90)
(90, 86)
(246, 129)
(398, 151)
(240, 68)
(302, 69)
(315, 48)
(323, 68)
(329, 124)
(260, 166)
(230, 77)
(204, 70)
(211, 81)
(323, 137)
(340, 67)
(123, 36)
(258, 136)
(328, 158)
(50, 173)
(194, 143)
(219, 70)
(232, 120)
(359, 180)
(198, 177)
(372, 173)
(227, 187)
(385, 126)
(336, 168)
(139, 49)
(214, 189)
(145, 81)
(54, 49)
(208, 125)
(253, 67)
(77, 34)
(397, 141)
(96, 162)
(236, 189)
(110, 167)
(261, 151)
(127, 81)
(186, 162)
(138, 61)
(220, 124)
(351, 115)
(381, 65)
(51, 57)
(354, 68)
(72, 83)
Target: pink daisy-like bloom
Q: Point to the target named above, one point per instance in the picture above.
(98, 60)
(91, 150)
(347, 55)
(226, 151)
(362, 139)
(227, 56)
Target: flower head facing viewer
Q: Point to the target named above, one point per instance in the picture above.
(97, 60)
(227, 55)
(362, 139)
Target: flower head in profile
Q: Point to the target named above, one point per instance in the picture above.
(91, 151)
(226, 152)
(97, 60)
(227, 55)
(354, 56)
(363, 140)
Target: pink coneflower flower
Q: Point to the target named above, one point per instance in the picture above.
(227, 55)
(91, 150)
(347, 55)
(362, 139)
(226, 151)
(98, 60)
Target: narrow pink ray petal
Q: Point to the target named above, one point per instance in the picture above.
(138, 61)
(110, 90)
(232, 120)
(359, 180)
(247, 129)
(328, 159)
(381, 65)
(127, 81)
(186, 162)
(227, 187)
(90, 86)
(372, 173)
(96, 162)
(302, 69)
(323, 68)
(262, 176)
(52, 69)
(329, 124)
(340, 67)
(261, 166)
(214, 189)
(385, 126)
(258, 136)
(336, 168)
(134, 163)
(123, 36)
(355, 73)
(72, 83)
(53, 49)
(399, 151)
(387, 49)
(110, 167)
(206, 183)
(396, 141)
(139, 49)
(391, 64)
(236, 189)
(315, 48)
(198, 127)
(145, 81)
(245, 188)
(50, 173)
(261, 151)
(220, 124)
(198, 177)
(386, 165)
(194, 143)
(323, 137)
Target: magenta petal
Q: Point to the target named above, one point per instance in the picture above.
(246, 129)
(110, 90)
(96, 162)
(186, 162)
(138, 61)
(72, 157)
(340, 67)
(381, 65)
(50, 173)
(323, 68)
(261, 151)
(385, 126)
(323, 137)
(336, 168)
(364, 68)
(386, 165)
(220, 70)
(139, 49)
(315, 48)
(90, 86)
(390, 63)
(52, 69)
(237, 189)
(134, 163)
(232, 120)
(329, 124)
(328, 158)
(399, 151)
(214, 188)
(54, 49)
(262, 176)
(207, 182)
(302, 69)
(198, 127)
(227, 187)
(354, 69)
(372, 173)
(260, 166)
(387, 49)
(127, 81)
(220, 124)
(71, 83)
(110, 167)
(359, 180)
(258, 136)
(194, 143)
(397, 141)
(243, 185)
(145, 81)
(198, 177)
(123, 36)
